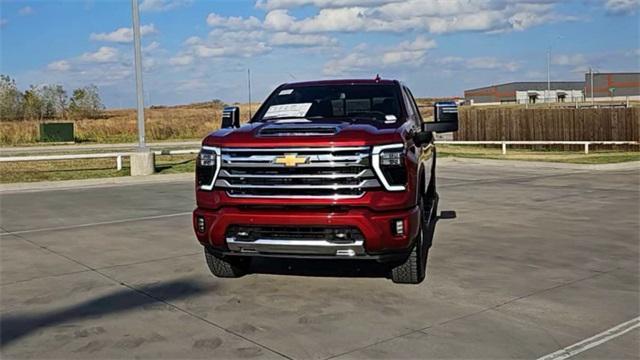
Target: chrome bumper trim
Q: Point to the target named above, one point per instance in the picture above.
(306, 247)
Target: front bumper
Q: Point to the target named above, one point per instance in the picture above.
(376, 228)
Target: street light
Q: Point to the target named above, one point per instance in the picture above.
(549, 66)
(142, 162)
(138, 69)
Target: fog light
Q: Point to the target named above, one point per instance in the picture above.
(200, 224)
(398, 227)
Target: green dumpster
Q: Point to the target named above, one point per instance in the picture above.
(56, 132)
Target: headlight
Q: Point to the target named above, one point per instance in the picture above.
(389, 164)
(207, 167)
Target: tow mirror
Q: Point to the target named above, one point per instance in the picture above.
(230, 117)
(445, 116)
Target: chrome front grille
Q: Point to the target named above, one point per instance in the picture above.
(296, 172)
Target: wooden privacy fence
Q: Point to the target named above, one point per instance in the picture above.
(518, 124)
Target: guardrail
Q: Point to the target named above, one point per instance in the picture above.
(507, 142)
(117, 156)
(120, 155)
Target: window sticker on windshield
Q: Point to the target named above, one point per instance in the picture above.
(390, 119)
(285, 92)
(288, 110)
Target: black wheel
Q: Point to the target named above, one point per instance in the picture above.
(227, 267)
(414, 269)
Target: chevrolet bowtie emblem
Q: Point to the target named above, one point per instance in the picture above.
(291, 160)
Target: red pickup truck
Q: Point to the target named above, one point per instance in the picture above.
(339, 169)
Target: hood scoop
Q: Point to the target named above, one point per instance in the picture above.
(304, 129)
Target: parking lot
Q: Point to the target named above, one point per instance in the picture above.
(538, 258)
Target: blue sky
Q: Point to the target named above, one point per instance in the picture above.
(201, 50)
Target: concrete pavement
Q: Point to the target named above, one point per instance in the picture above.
(537, 259)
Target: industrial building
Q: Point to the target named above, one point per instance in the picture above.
(606, 87)
(613, 86)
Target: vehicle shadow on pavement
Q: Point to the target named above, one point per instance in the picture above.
(327, 268)
(14, 327)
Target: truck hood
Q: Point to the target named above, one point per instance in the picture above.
(306, 133)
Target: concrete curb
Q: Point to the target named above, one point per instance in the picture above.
(628, 165)
(93, 183)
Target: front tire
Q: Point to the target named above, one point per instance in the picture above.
(227, 267)
(413, 270)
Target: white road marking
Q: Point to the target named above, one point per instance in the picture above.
(594, 341)
(94, 224)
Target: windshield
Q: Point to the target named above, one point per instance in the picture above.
(379, 102)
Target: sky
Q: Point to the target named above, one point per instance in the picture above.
(201, 50)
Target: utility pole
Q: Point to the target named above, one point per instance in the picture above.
(549, 65)
(249, 84)
(143, 161)
(138, 68)
(548, 74)
(591, 80)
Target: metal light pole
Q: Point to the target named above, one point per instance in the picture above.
(138, 65)
(549, 65)
(591, 80)
(142, 162)
(548, 73)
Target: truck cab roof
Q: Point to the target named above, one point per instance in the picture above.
(341, 82)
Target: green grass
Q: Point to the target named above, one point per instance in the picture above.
(86, 169)
(573, 157)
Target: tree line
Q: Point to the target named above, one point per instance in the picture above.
(47, 102)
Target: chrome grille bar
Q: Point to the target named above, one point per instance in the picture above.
(325, 172)
(362, 185)
(362, 174)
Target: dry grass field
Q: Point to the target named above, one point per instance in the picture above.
(183, 122)
(119, 126)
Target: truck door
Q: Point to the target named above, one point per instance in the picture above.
(425, 152)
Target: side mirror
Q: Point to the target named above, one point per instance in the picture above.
(445, 116)
(230, 117)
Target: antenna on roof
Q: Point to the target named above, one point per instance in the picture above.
(377, 77)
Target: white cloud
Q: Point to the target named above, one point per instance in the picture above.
(288, 4)
(569, 59)
(279, 20)
(286, 39)
(192, 85)
(27, 10)
(162, 5)
(181, 60)
(434, 16)
(409, 52)
(104, 54)
(491, 63)
(233, 22)
(123, 35)
(154, 45)
(193, 40)
(479, 63)
(622, 7)
(367, 59)
(230, 50)
(60, 65)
